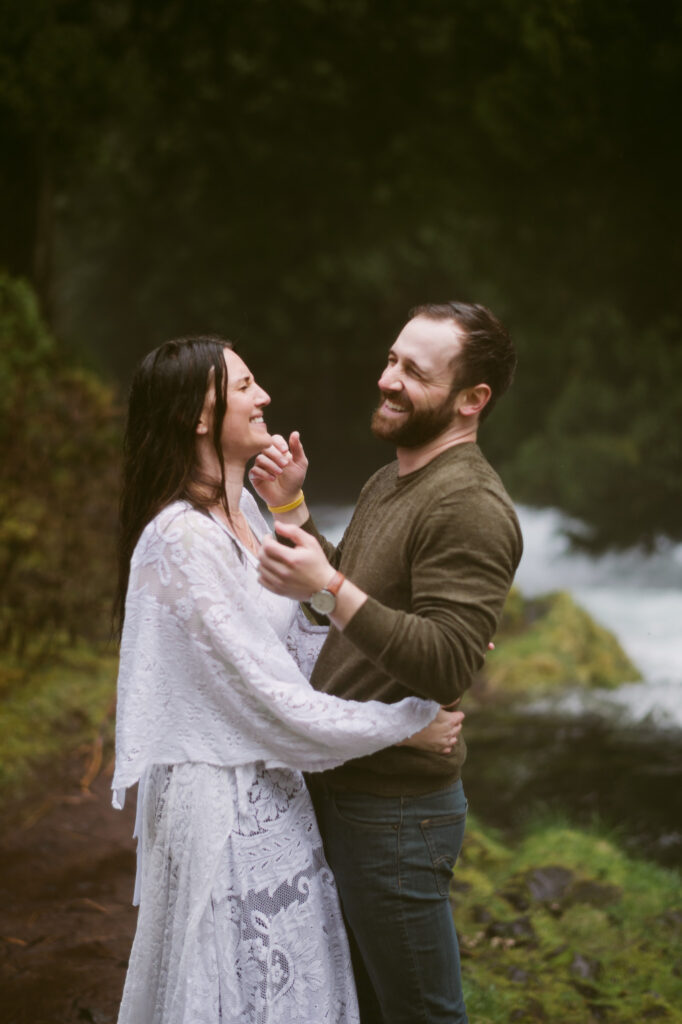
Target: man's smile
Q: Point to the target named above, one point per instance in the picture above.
(392, 406)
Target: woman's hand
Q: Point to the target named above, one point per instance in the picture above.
(440, 736)
(279, 471)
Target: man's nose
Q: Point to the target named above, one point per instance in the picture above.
(390, 380)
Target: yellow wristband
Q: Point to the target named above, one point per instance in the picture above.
(287, 508)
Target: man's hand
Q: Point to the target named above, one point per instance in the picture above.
(279, 471)
(440, 736)
(294, 572)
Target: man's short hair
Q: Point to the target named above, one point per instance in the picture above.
(487, 356)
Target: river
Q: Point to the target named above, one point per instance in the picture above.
(607, 757)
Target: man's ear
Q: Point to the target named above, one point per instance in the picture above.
(471, 401)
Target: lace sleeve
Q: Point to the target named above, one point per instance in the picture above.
(204, 678)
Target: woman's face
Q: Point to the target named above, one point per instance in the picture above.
(244, 432)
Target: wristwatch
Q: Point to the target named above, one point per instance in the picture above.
(324, 601)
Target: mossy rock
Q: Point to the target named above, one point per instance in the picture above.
(565, 927)
(551, 642)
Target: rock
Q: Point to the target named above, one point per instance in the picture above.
(595, 893)
(517, 974)
(520, 930)
(556, 888)
(516, 893)
(550, 884)
(533, 1011)
(585, 967)
(547, 643)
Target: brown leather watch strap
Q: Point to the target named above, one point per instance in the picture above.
(335, 582)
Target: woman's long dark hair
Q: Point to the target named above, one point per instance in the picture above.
(159, 465)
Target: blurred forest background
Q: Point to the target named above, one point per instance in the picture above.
(295, 175)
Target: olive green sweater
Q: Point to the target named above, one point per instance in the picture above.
(436, 551)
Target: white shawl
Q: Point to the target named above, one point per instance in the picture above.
(204, 677)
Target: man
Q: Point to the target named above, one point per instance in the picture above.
(414, 592)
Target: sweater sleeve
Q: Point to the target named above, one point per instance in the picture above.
(463, 558)
(332, 552)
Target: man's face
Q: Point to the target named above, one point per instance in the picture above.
(417, 403)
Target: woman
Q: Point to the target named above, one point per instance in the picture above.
(239, 919)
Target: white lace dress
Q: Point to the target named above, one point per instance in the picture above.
(239, 919)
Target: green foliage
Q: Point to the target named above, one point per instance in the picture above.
(51, 711)
(550, 642)
(25, 349)
(59, 430)
(610, 446)
(565, 927)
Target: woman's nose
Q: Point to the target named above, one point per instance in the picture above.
(264, 397)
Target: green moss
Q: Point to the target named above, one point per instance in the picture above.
(49, 712)
(565, 927)
(551, 642)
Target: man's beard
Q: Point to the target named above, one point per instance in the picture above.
(420, 426)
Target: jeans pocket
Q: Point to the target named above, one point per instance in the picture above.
(443, 835)
(360, 813)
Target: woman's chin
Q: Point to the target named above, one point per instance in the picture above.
(263, 441)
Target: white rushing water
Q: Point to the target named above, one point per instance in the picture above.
(635, 594)
(638, 596)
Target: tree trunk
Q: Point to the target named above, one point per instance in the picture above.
(43, 240)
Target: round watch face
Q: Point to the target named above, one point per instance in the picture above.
(323, 602)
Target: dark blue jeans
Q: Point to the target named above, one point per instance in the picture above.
(393, 859)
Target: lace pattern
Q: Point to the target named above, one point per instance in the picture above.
(239, 918)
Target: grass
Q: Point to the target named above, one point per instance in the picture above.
(51, 711)
(564, 927)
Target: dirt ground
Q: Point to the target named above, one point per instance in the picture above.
(67, 869)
